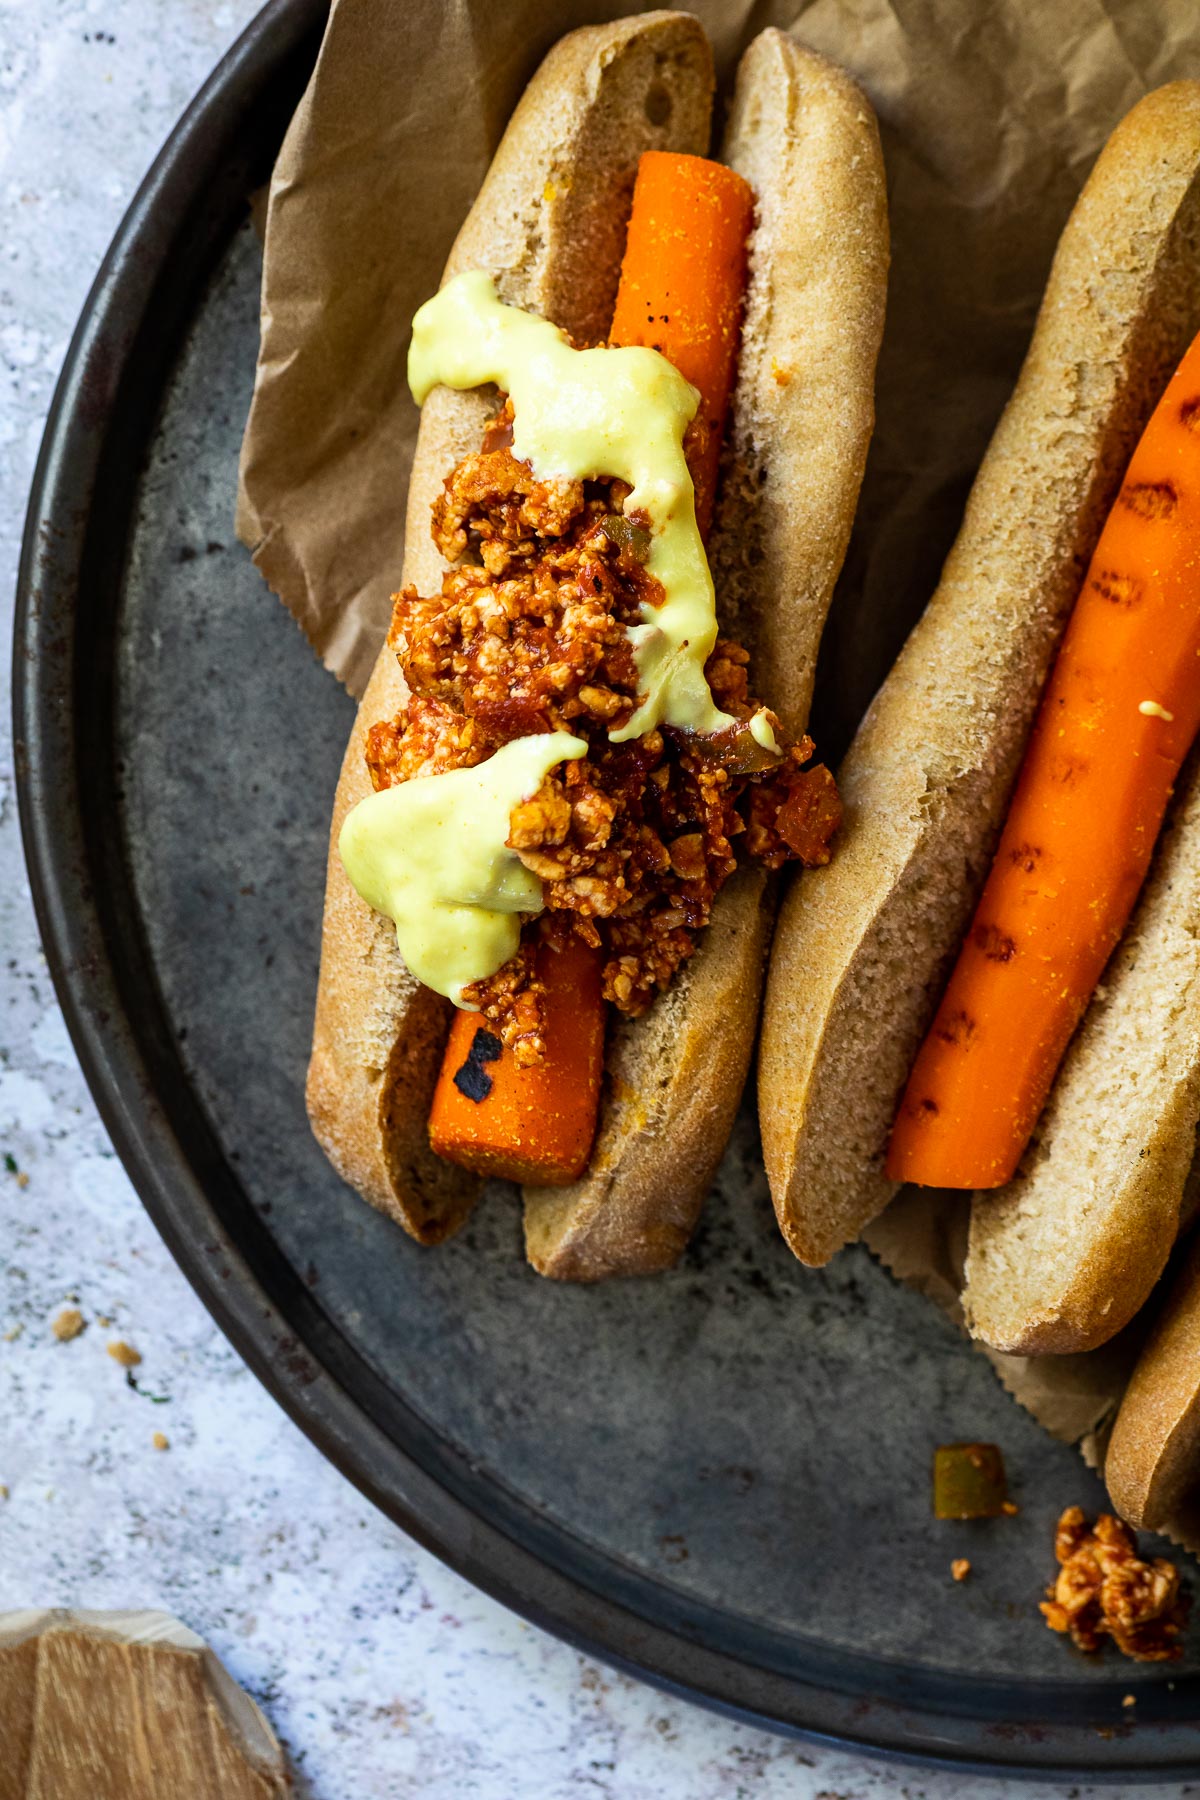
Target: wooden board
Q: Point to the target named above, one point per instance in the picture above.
(125, 1706)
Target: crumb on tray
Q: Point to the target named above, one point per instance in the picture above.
(69, 1323)
(124, 1353)
(969, 1482)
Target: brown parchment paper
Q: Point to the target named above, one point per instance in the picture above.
(991, 117)
(922, 1239)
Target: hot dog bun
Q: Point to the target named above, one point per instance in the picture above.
(802, 414)
(1153, 1456)
(803, 410)
(549, 224)
(863, 947)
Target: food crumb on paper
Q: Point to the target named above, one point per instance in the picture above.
(125, 1354)
(161, 1441)
(69, 1323)
(13, 1333)
(960, 1568)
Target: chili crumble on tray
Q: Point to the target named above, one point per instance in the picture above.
(1105, 1589)
(529, 634)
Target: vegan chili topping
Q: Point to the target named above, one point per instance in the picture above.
(530, 634)
(1105, 1589)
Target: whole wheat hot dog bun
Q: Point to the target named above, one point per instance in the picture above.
(803, 410)
(549, 224)
(863, 947)
(1152, 1466)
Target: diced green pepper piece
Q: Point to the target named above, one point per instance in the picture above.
(633, 539)
(969, 1482)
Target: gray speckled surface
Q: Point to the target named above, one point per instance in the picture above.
(383, 1672)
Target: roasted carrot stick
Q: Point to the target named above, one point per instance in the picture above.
(1116, 720)
(681, 291)
(683, 283)
(527, 1124)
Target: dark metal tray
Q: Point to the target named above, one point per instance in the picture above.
(717, 1479)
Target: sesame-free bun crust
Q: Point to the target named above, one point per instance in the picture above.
(863, 947)
(1153, 1457)
(549, 224)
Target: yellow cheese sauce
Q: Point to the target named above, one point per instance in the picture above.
(431, 854)
(763, 732)
(620, 412)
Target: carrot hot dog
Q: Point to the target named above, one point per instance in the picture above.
(557, 739)
(1119, 714)
(682, 289)
(919, 1006)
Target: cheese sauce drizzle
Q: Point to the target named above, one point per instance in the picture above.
(431, 854)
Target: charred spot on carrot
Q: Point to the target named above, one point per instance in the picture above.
(959, 1028)
(995, 944)
(1149, 499)
(1121, 590)
(472, 1079)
